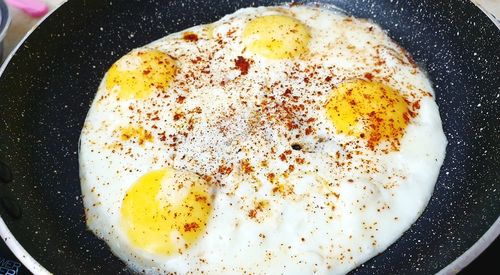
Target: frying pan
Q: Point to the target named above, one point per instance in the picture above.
(48, 84)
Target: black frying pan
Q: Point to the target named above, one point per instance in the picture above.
(46, 89)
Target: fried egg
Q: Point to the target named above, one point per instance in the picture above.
(286, 139)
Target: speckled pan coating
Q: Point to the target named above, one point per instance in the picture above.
(47, 87)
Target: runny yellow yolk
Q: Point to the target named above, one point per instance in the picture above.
(165, 212)
(369, 110)
(137, 74)
(276, 36)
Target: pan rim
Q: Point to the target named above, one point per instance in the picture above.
(10, 240)
(474, 251)
(36, 268)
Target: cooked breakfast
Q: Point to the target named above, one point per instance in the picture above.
(285, 139)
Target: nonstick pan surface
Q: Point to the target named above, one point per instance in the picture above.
(48, 85)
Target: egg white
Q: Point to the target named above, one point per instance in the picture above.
(296, 233)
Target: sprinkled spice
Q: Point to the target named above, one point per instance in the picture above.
(188, 227)
(242, 64)
(225, 170)
(189, 36)
(252, 213)
(246, 167)
(180, 99)
(178, 116)
(369, 76)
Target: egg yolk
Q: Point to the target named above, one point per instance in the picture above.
(138, 73)
(276, 36)
(165, 212)
(369, 110)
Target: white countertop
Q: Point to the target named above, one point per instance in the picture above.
(22, 23)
